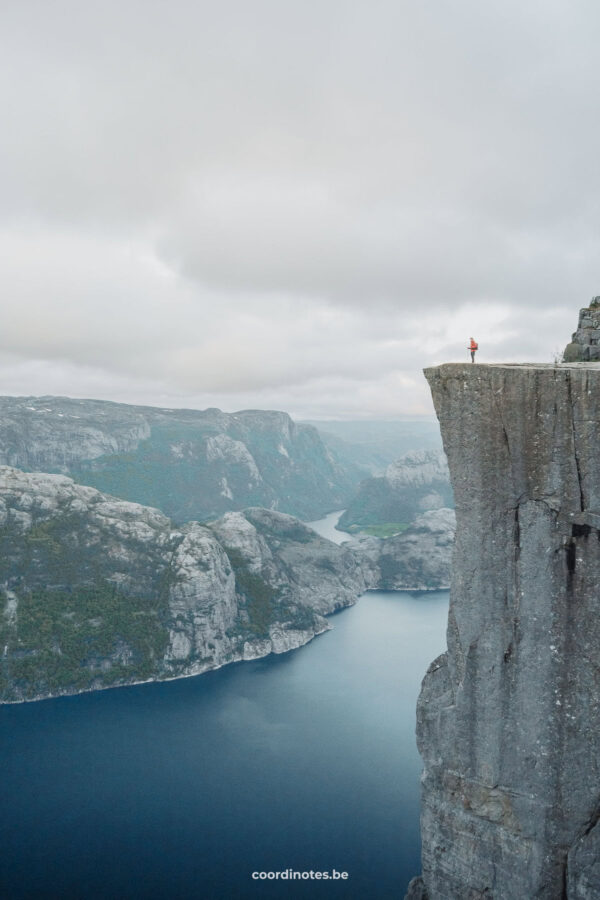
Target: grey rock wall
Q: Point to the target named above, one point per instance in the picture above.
(508, 720)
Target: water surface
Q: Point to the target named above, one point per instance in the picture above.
(183, 789)
(326, 528)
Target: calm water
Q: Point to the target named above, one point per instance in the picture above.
(326, 528)
(183, 789)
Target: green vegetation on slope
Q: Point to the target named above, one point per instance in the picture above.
(377, 502)
(263, 605)
(72, 640)
(260, 597)
(173, 471)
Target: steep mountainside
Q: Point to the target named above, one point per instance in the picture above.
(509, 718)
(96, 591)
(419, 559)
(417, 482)
(191, 464)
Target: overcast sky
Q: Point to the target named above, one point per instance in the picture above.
(292, 205)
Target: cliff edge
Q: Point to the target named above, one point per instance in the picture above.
(508, 721)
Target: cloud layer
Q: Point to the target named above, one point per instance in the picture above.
(291, 205)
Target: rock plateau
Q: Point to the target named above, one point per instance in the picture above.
(508, 720)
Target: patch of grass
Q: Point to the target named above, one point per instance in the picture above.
(386, 530)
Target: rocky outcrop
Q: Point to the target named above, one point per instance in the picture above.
(419, 559)
(191, 464)
(585, 343)
(508, 720)
(417, 482)
(96, 591)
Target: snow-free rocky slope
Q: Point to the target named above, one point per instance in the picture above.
(509, 718)
(97, 591)
(419, 559)
(416, 482)
(191, 464)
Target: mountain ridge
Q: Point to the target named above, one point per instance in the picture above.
(192, 464)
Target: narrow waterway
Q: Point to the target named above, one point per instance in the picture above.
(184, 789)
(326, 528)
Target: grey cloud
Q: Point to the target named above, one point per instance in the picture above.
(284, 204)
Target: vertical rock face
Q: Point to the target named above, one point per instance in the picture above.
(508, 721)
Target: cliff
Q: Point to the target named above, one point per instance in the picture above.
(508, 720)
(191, 464)
(97, 591)
(416, 482)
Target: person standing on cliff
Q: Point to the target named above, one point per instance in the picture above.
(473, 347)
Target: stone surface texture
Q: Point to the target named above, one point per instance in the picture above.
(96, 591)
(508, 720)
(585, 342)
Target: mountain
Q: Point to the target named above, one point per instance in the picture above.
(96, 591)
(508, 721)
(191, 464)
(417, 482)
(419, 559)
(373, 445)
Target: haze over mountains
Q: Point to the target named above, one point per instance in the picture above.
(374, 444)
(191, 464)
(168, 550)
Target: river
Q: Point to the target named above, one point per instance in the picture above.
(184, 789)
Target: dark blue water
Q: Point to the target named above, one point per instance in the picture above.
(183, 789)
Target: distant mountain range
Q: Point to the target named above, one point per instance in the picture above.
(373, 445)
(191, 464)
(96, 591)
(135, 543)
